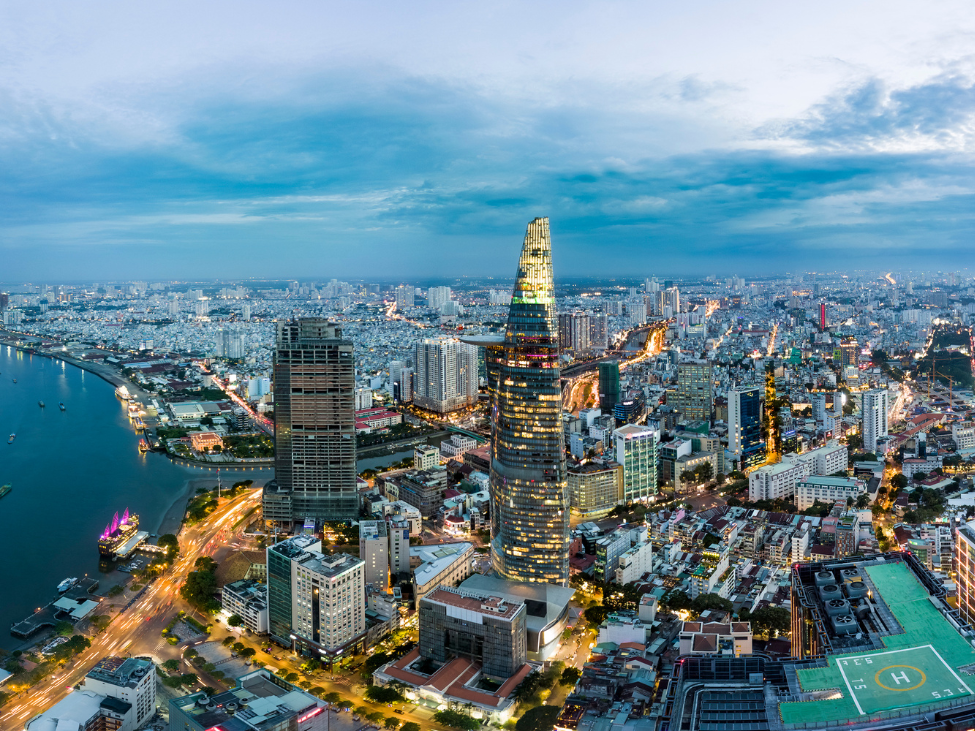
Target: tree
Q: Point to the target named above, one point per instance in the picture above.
(410, 726)
(383, 694)
(171, 665)
(595, 615)
(248, 652)
(238, 646)
(361, 710)
(199, 589)
(899, 481)
(675, 601)
(570, 676)
(920, 476)
(234, 620)
(205, 563)
(291, 677)
(771, 619)
(375, 716)
(63, 629)
(332, 698)
(457, 720)
(188, 679)
(863, 500)
(711, 601)
(540, 718)
(391, 722)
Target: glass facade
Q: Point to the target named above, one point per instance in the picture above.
(609, 386)
(529, 487)
(745, 417)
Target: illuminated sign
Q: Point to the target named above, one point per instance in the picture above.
(311, 714)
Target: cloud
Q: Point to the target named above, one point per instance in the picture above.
(937, 114)
(366, 170)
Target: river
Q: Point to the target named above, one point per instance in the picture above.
(70, 471)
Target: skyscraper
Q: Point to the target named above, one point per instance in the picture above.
(314, 422)
(636, 449)
(529, 488)
(574, 332)
(745, 426)
(446, 375)
(609, 385)
(694, 390)
(875, 405)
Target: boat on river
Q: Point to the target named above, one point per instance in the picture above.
(5, 489)
(10, 440)
(61, 405)
(41, 404)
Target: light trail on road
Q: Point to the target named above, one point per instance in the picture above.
(133, 624)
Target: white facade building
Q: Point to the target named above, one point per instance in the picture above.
(875, 406)
(775, 481)
(446, 375)
(634, 563)
(425, 457)
(827, 490)
(248, 600)
(118, 693)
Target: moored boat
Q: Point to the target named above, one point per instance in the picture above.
(5, 489)
(66, 584)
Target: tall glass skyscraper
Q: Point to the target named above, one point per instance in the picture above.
(529, 483)
(314, 425)
(745, 426)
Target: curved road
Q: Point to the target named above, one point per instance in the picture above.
(136, 629)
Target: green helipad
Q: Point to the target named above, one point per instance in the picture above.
(899, 678)
(917, 667)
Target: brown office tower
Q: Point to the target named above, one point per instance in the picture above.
(314, 425)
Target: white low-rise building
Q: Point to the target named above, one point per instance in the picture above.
(827, 490)
(775, 481)
(248, 600)
(634, 563)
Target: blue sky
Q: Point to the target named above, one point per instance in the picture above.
(384, 140)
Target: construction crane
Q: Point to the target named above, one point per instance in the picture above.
(933, 373)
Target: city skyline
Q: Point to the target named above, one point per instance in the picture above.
(389, 142)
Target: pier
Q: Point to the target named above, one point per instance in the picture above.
(52, 614)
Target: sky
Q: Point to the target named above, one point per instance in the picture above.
(385, 140)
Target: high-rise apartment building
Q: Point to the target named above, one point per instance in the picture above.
(745, 426)
(529, 489)
(598, 331)
(609, 386)
(874, 407)
(314, 422)
(374, 551)
(316, 603)
(437, 297)
(230, 343)
(635, 447)
(694, 390)
(405, 295)
(574, 332)
(446, 375)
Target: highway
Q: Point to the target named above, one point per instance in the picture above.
(582, 390)
(137, 629)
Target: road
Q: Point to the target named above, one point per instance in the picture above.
(582, 390)
(138, 628)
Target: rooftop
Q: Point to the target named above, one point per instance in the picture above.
(928, 641)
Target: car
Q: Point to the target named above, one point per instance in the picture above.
(399, 710)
